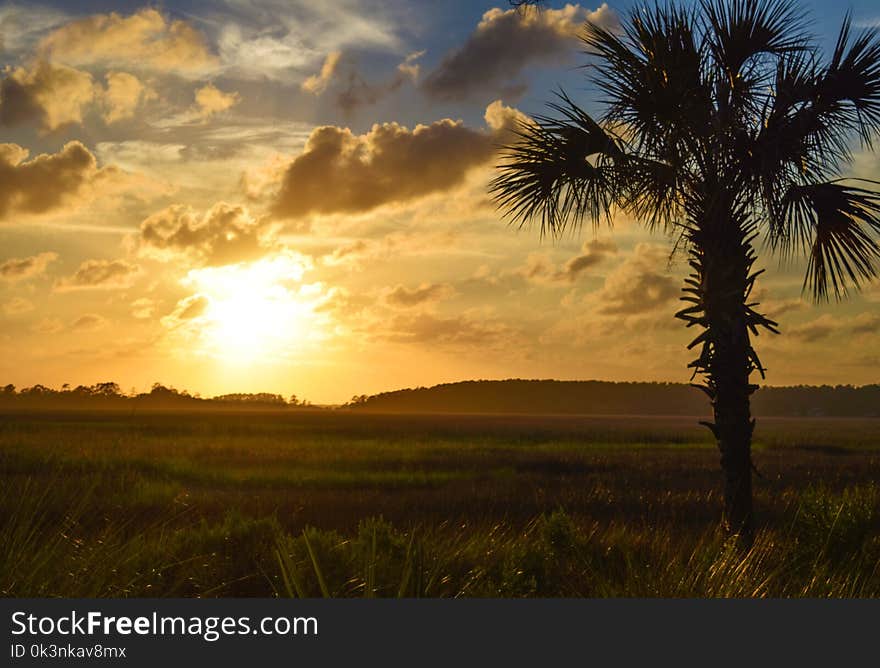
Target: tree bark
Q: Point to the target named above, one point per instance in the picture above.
(733, 431)
(722, 258)
(727, 262)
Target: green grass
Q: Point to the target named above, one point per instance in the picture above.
(247, 504)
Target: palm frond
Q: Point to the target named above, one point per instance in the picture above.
(652, 75)
(839, 228)
(560, 172)
(850, 86)
(740, 30)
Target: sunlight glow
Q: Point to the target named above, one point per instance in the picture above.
(255, 311)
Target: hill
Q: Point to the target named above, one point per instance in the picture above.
(606, 398)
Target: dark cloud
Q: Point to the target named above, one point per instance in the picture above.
(48, 181)
(358, 92)
(504, 43)
(426, 293)
(225, 234)
(17, 269)
(100, 275)
(351, 89)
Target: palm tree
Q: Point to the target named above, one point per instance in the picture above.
(724, 125)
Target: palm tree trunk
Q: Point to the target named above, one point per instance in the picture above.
(733, 429)
(722, 257)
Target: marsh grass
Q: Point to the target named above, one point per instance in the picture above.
(178, 505)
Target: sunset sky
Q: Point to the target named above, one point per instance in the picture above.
(286, 196)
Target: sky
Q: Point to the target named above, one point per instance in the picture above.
(291, 197)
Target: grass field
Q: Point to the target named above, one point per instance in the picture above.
(347, 504)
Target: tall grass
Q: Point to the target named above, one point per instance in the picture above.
(555, 556)
(92, 508)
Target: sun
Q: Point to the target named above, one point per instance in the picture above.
(253, 311)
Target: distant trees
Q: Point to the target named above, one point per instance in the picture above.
(545, 397)
(109, 394)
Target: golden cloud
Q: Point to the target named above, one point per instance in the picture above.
(186, 309)
(341, 172)
(143, 40)
(426, 293)
(17, 306)
(640, 284)
(123, 95)
(50, 180)
(224, 234)
(317, 83)
(100, 275)
(47, 94)
(17, 269)
(211, 100)
(90, 322)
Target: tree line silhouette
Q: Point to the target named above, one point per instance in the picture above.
(608, 398)
(110, 395)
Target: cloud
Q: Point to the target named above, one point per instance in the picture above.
(123, 95)
(828, 325)
(505, 42)
(18, 269)
(22, 25)
(100, 275)
(47, 94)
(360, 93)
(317, 83)
(455, 332)
(277, 39)
(341, 172)
(815, 330)
(639, 285)
(48, 326)
(540, 269)
(777, 309)
(224, 234)
(593, 254)
(348, 253)
(210, 100)
(17, 306)
(188, 308)
(145, 40)
(866, 323)
(409, 67)
(143, 308)
(89, 322)
(48, 181)
(53, 96)
(426, 293)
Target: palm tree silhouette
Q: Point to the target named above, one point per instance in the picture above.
(724, 125)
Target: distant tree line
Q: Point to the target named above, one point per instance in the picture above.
(110, 395)
(548, 397)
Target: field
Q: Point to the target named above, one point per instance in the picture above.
(293, 503)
